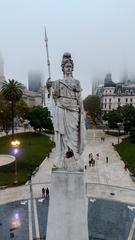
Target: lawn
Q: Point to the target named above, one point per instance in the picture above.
(32, 151)
(127, 152)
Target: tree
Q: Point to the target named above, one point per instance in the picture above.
(132, 134)
(22, 110)
(92, 105)
(113, 117)
(125, 115)
(5, 115)
(128, 113)
(39, 118)
(12, 91)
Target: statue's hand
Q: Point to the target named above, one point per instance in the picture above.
(48, 84)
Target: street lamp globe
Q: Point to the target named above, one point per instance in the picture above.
(15, 144)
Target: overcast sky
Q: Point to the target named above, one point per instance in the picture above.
(100, 34)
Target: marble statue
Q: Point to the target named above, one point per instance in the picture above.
(69, 116)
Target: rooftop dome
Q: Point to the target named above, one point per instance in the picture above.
(108, 81)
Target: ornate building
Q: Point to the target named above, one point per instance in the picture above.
(116, 94)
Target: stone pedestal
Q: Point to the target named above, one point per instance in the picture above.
(67, 218)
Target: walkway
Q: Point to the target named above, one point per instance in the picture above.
(101, 180)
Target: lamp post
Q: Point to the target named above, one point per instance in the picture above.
(15, 144)
(105, 125)
(118, 124)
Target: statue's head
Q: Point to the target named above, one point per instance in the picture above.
(67, 65)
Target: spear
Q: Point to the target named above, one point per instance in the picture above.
(48, 61)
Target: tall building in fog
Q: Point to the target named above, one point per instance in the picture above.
(2, 77)
(97, 86)
(34, 81)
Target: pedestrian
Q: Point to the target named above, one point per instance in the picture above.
(47, 192)
(106, 159)
(97, 156)
(126, 166)
(90, 162)
(43, 193)
(93, 162)
(90, 155)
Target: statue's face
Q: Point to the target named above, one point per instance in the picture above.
(68, 69)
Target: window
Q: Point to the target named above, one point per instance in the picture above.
(109, 106)
(126, 99)
(109, 99)
(131, 91)
(110, 91)
(105, 100)
(127, 92)
(105, 105)
(118, 99)
(131, 99)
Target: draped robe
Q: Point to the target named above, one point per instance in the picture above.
(69, 118)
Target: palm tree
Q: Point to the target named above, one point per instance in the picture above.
(12, 91)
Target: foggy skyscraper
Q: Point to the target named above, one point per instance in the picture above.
(34, 81)
(2, 77)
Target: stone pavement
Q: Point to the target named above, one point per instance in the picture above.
(107, 180)
(111, 173)
(101, 180)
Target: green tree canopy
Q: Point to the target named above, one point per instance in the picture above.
(5, 115)
(22, 110)
(128, 113)
(12, 92)
(92, 105)
(113, 117)
(124, 115)
(39, 118)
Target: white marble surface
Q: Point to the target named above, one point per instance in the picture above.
(67, 218)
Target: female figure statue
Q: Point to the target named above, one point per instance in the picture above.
(68, 120)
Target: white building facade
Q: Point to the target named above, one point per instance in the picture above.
(116, 94)
(32, 98)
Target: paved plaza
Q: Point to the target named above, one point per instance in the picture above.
(108, 186)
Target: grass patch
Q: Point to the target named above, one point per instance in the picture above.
(32, 151)
(126, 150)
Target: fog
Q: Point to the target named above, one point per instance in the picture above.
(100, 35)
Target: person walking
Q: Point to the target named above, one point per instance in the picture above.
(90, 162)
(126, 166)
(43, 193)
(90, 155)
(106, 159)
(97, 156)
(47, 192)
(93, 162)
